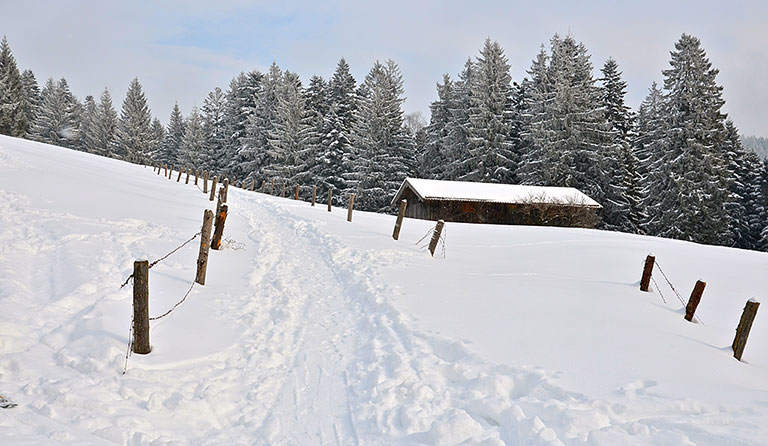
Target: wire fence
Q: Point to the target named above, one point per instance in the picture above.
(679, 297)
(176, 305)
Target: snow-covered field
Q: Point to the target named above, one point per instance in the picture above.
(311, 330)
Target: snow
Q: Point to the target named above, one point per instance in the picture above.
(312, 330)
(492, 192)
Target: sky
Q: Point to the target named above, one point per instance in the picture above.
(181, 50)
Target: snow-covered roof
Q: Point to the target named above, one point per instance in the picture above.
(428, 190)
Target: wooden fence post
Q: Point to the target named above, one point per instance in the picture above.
(745, 325)
(226, 190)
(272, 188)
(399, 221)
(141, 307)
(253, 183)
(186, 181)
(284, 182)
(213, 188)
(179, 177)
(350, 207)
(233, 183)
(218, 230)
(693, 301)
(436, 237)
(314, 194)
(205, 182)
(330, 197)
(205, 245)
(195, 177)
(263, 186)
(296, 195)
(166, 169)
(645, 282)
(159, 168)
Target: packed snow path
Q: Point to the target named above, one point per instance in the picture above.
(297, 337)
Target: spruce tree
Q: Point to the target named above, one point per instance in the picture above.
(436, 158)
(240, 104)
(106, 126)
(134, 131)
(157, 130)
(317, 104)
(688, 184)
(87, 133)
(628, 212)
(289, 138)
(13, 118)
(492, 156)
(214, 126)
(457, 144)
(58, 115)
(31, 102)
(174, 138)
(254, 153)
(384, 153)
(193, 145)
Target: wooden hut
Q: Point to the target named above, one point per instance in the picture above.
(509, 204)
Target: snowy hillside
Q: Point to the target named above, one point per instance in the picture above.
(311, 330)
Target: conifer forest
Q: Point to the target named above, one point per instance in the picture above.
(676, 167)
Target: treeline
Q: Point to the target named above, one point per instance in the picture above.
(675, 168)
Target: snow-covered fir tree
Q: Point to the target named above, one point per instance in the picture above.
(240, 104)
(13, 117)
(688, 181)
(87, 134)
(457, 145)
(174, 138)
(214, 126)
(491, 150)
(569, 135)
(193, 144)
(289, 138)
(134, 135)
(631, 215)
(384, 153)
(254, 153)
(106, 126)
(746, 202)
(437, 152)
(317, 105)
(58, 115)
(534, 94)
(649, 124)
(31, 98)
(157, 130)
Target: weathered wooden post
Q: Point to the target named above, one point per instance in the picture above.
(330, 198)
(693, 301)
(218, 230)
(233, 183)
(186, 181)
(645, 282)
(205, 245)
(399, 221)
(159, 168)
(314, 194)
(226, 190)
(213, 188)
(263, 186)
(253, 183)
(284, 182)
(745, 325)
(436, 237)
(205, 182)
(272, 188)
(166, 169)
(350, 207)
(195, 177)
(141, 307)
(179, 177)
(296, 195)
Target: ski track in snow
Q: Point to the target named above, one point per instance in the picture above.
(322, 357)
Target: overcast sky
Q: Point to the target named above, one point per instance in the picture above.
(181, 50)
